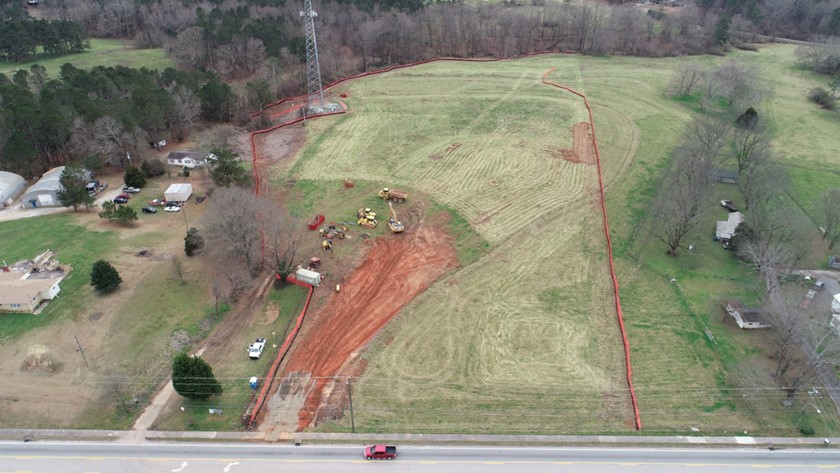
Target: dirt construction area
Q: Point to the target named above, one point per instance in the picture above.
(397, 268)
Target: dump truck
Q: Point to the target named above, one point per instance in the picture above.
(381, 452)
(393, 194)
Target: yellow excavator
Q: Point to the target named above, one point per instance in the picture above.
(367, 218)
(393, 223)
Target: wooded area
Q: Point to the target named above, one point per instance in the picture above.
(114, 111)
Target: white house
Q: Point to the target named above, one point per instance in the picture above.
(179, 192)
(186, 159)
(18, 293)
(746, 318)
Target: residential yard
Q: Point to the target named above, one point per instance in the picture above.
(128, 337)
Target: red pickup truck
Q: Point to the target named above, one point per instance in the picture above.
(378, 452)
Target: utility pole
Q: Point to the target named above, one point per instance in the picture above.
(350, 394)
(80, 350)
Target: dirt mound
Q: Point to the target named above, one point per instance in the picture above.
(583, 151)
(396, 269)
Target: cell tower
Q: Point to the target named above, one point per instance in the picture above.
(313, 67)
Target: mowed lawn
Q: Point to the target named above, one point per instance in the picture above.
(102, 52)
(524, 339)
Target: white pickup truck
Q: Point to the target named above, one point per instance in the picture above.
(255, 349)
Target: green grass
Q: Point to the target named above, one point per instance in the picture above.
(73, 245)
(103, 52)
(234, 369)
(460, 355)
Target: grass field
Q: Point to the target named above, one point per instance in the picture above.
(102, 52)
(523, 338)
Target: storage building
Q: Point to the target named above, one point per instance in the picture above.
(179, 192)
(43, 192)
(10, 186)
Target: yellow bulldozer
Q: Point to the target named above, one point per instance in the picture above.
(393, 195)
(393, 223)
(367, 218)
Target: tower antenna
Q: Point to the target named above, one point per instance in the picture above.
(313, 67)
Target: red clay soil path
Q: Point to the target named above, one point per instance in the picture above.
(396, 269)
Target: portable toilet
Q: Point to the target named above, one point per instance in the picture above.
(253, 382)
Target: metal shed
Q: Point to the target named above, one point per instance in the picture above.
(179, 192)
(43, 192)
(11, 185)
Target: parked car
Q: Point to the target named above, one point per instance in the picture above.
(124, 196)
(131, 190)
(120, 200)
(172, 204)
(255, 349)
(157, 202)
(728, 205)
(149, 210)
(200, 199)
(172, 209)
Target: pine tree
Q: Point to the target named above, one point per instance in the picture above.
(193, 242)
(73, 192)
(193, 378)
(104, 277)
(134, 177)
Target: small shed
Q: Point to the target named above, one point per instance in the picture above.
(726, 228)
(179, 192)
(834, 262)
(724, 175)
(747, 318)
(11, 185)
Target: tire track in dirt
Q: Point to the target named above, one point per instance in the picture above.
(396, 269)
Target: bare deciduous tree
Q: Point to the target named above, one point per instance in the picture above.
(686, 79)
(748, 143)
(283, 236)
(772, 241)
(739, 84)
(829, 212)
(232, 226)
(762, 181)
(794, 331)
(187, 110)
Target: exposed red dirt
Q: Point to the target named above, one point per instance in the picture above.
(396, 269)
(582, 150)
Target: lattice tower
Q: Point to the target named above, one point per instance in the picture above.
(313, 67)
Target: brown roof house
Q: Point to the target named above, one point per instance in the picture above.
(24, 288)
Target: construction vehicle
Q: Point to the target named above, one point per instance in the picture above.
(393, 223)
(314, 263)
(367, 218)
(393, 194)
(331, 231)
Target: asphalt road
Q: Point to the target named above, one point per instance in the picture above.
(55, 457)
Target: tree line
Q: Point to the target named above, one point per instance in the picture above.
(22, 36)
(235, 38)
(103, 115)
